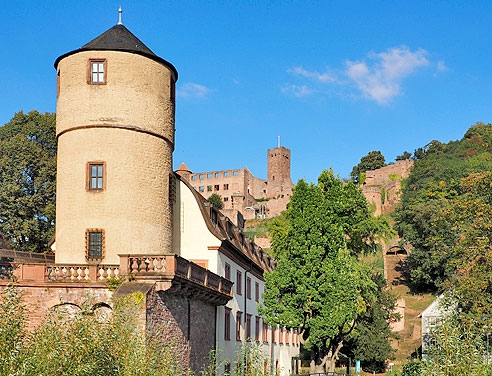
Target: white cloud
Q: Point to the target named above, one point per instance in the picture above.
(192, 90)
(322, 77)
(381, 80)
(441, 66)
(298, 91)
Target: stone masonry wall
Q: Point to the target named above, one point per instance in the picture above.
(278, 180)
(187, 324)
(41, 298)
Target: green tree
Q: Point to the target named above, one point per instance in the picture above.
(370, 340)
(318, 284)
(434, 183)
(372, 161)
(28, 180)
(216, 200)
(471, 215)
(404, 156)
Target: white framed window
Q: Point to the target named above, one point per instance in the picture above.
(98, 71)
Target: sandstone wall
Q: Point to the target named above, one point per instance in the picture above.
(186, 324)
(127, 124)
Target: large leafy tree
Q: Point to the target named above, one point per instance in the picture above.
(318, 284)
(28, 180)
(372, 161)
(433, 184)
(471, 215)
(370, 340)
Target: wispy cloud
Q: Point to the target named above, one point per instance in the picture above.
(297, 90)
(381, 80)
(192, 90)
(378, 76)
(441, 66)
(321, 77)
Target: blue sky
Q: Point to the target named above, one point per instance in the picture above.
(334, 79)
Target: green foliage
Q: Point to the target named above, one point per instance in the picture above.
(383, 195)
(216, 200)
(370, 340)
(394, 177)
(413, 368)
(113, 283)
(433, 184)
(318, 285)
(458, 348)
(80, 344)
(372, 161)
(405, 155)
(28, 180)
(362, 178)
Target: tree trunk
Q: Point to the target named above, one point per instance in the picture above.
(312, 364)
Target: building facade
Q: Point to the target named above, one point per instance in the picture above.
(122, 211)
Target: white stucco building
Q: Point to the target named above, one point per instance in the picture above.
(202, 234)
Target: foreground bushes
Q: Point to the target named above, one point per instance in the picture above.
(81, 343)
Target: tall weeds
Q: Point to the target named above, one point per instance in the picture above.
(80, 344)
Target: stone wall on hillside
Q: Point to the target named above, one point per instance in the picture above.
(382, 187)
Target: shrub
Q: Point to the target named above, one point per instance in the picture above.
(80, 343)
(413, 368)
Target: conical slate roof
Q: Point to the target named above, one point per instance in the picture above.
(119, 38)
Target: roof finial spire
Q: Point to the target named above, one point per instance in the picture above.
(278, 141)
(119, 20)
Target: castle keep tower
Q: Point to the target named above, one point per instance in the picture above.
(278, 179)
(115, 130)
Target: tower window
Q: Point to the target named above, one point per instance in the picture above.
(95, 176)
(94, 243)
(97, 71)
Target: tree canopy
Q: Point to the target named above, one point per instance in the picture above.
(405, 155)
(370, 340)
(433, 185)
(372, 161)
(28, 180)
(216, 200)
(318, 285)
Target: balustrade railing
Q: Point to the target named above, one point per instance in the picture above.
(139, 267)
(142, 267)
(81, 273)
(146, 264)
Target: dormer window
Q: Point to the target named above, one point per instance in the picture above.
(97, 71)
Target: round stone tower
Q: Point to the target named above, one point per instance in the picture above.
(115, 130)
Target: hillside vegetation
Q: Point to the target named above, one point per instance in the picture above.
(434, 184)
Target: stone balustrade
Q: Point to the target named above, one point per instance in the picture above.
(81, 273)
(145, 267)
(137, 267)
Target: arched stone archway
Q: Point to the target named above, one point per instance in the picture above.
(396, 250)
(102, 312)
(66, 310)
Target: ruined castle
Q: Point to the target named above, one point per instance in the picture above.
(243, 193)
(382, 187)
